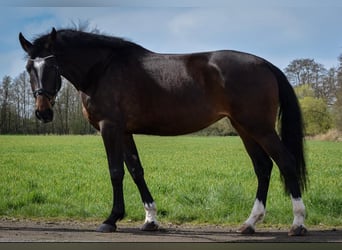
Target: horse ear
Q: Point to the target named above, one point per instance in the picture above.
(53, 34)
(25, 44)
(52, 38)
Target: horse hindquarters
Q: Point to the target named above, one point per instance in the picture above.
(256, 127)
(260, 148)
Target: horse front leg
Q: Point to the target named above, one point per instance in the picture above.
(112, 136)
(136, 170)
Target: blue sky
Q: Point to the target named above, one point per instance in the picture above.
(279, 31)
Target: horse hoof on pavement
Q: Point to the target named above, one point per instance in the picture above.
(246, 229)
(106, 228)
(298, 231)
(150, 226)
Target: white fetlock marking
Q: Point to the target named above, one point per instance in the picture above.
(151, 213)
(298, 211)
(257, 214)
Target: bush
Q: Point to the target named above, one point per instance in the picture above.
(222, 127)
(317, 119)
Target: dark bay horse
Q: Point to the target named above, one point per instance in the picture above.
(127, 89)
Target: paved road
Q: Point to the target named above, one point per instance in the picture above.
(35, 231)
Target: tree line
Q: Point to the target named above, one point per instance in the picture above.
(17, 108)
(319, 91)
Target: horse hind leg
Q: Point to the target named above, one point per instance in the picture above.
(136, 170)
(262, 167)
(287, 166)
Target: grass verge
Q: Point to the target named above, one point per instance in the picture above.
(207, 180)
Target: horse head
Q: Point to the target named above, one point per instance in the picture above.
(44, 73)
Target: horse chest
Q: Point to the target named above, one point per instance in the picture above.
(90, 112)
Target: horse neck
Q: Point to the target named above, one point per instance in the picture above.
(76, 67)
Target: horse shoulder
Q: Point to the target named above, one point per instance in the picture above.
(87, 110)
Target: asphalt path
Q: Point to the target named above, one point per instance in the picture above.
(76, 231)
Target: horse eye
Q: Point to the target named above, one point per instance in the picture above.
(49, 65)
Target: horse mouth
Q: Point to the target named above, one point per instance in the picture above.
(44, 116)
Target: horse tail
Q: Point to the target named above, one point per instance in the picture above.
(291, 125)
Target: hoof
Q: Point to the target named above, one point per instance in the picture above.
(298, 231)
(106, 228)
(246, 229)
(150, 226)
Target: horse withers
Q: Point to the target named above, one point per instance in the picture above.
(127, 89)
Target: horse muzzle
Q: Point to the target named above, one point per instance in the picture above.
(44, 116)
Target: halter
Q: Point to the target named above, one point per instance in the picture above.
(40, 58)
(38, 63)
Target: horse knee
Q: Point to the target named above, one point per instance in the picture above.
(137, 173)
(116, 176)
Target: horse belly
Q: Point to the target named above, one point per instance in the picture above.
(175, 122)
(177, 95)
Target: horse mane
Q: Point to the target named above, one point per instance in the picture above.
(71, 38)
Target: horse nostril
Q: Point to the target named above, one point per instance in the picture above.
(44, 116)
(38, 115)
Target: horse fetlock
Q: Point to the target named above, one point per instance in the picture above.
(257, 214)
(298, 212)
(150, 213)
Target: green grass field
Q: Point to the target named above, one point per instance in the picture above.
(193, 180)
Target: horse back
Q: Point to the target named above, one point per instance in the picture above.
(177, 94)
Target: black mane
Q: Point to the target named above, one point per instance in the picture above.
(69, 38)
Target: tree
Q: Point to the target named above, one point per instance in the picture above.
(304, 90)
(17, 107)
(69, 117)
(62, 108)
(316, 116)
(6, 109)
(305, 71)
(24, 102)
(317, 119)
(337, 107)
(328, 89)
(337, 110)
